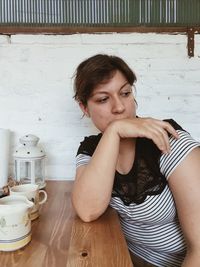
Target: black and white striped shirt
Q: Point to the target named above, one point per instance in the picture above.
(151, 228)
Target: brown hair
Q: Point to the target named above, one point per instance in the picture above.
(96, 70)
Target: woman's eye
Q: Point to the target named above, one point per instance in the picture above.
(102, 100)
(126, 93)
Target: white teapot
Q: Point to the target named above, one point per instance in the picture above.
(15, 223)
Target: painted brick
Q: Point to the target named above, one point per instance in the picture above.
(4, 39)
(36, 88)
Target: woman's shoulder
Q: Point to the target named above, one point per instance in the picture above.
(180, 148)
(89, 144)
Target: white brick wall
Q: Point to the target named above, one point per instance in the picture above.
(36, 87)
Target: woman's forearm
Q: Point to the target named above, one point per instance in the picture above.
(192, 259)
(93, 185)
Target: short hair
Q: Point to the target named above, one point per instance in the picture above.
(97, 70)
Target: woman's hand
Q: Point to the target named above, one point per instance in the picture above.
(154, 129)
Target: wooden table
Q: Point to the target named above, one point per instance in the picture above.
(61, 239)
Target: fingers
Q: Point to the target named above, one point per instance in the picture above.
(160, 130)
(171, 130)
(156, 130)
(161, 139)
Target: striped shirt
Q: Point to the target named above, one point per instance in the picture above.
(152, 229)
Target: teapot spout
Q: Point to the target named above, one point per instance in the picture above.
(29, 203)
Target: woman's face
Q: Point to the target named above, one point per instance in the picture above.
(111, 101)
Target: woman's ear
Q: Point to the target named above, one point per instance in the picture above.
(84, 109)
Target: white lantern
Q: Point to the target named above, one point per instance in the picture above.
(30, 161)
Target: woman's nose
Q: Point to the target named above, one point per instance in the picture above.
(117, 106)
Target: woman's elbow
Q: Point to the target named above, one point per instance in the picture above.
(88, 218)
(86, 215)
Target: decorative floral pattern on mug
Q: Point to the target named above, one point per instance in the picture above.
(2, 224)
(25, 219)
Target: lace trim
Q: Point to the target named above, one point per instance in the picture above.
(144, 178)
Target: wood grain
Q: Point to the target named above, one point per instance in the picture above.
(61, 239)
(99, 243)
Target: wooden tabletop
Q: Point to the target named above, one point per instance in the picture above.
(61, 239)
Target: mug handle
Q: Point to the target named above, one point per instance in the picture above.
(44, 199)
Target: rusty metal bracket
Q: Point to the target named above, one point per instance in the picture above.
(190, 44)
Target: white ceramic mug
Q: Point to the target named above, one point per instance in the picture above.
(33, 193)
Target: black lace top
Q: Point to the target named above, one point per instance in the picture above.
(144, 178)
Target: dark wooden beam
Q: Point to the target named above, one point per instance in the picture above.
(73, 30)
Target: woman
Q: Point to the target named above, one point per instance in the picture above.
(146, 169)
